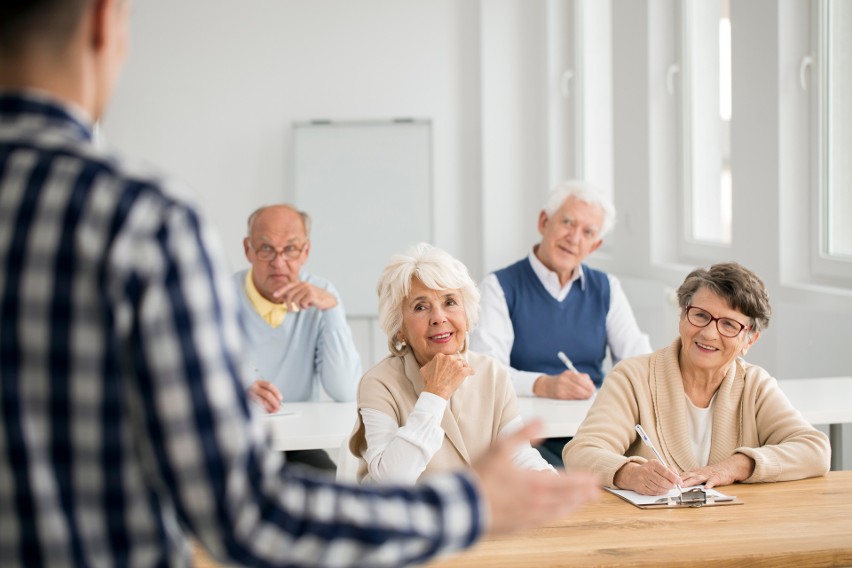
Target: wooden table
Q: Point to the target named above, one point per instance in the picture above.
(795, 524)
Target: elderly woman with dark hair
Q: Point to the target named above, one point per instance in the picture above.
(432, 405)
(715, 418)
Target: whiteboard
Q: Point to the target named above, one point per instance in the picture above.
(367, 186)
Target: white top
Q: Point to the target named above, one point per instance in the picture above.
(700, 422)
(399, 454)
(494, 335)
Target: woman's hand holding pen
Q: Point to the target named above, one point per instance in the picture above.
(649, 478)
(567, 385)
(444, 374)
(738, 467)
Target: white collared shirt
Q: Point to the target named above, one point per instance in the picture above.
(495, 335)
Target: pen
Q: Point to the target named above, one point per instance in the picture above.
(258, 377)
(564, 358)
(647, 440)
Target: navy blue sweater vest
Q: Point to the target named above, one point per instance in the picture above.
(544, 326)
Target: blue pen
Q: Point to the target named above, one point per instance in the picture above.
(647, 440)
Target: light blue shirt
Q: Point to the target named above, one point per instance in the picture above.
(310, 348)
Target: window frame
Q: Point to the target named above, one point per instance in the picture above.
(824, 269)
(690, 250)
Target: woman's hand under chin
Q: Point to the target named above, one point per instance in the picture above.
(444, 374)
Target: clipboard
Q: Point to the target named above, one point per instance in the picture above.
(693, 497)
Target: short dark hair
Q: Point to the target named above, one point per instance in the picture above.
(49, 21)
(740, 287)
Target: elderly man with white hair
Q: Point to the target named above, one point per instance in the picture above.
(550, 302)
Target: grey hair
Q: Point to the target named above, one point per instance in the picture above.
(586, 192)
(436, 269)
(740, 287)
(306, 219)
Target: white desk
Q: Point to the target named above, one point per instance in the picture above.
(824, 401)
(560, 418)
(325, 425)
(311, 426)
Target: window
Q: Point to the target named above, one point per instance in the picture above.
(831, 205)
(836, 131)
(706, 119)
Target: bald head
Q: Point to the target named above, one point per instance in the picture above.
(274, 212)
(277, 246)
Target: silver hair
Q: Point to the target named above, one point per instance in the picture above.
(306, 219)
(436, 269)
(586, 192)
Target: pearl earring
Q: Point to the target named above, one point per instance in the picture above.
(402, 343)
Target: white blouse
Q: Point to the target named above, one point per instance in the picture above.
(399, 454)
(700, 422)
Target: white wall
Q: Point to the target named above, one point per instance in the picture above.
(211, 88)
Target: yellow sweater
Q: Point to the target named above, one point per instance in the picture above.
(751, 416)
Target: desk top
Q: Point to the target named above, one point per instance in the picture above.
(795, 523)
(821, 401)
(310, 425)
(559, 418)
(324, 425)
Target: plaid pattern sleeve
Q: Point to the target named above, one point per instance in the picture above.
(123, 420)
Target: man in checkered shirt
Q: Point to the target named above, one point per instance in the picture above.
(123, 418)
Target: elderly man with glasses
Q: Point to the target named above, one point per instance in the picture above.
(550, 317)
(296, 330)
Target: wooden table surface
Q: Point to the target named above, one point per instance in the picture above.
(792, 524)
(797, 523)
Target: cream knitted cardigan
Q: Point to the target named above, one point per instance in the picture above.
(478, 410)
(751, 416)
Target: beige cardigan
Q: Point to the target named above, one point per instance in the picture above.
(751, 416)
(483, 404)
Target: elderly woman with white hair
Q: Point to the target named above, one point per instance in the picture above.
(432, 405)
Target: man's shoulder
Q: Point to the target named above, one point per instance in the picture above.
(155, 198)
(317, 281)
(109, 170)
(519, 264)
(514, 274)
(596, 273)
(240, 280)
